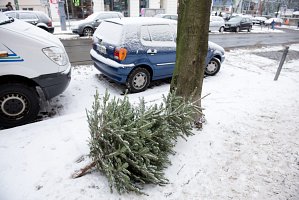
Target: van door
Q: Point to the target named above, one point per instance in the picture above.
(160, 48)
(245, 24)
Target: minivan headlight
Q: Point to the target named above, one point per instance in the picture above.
(57, 55)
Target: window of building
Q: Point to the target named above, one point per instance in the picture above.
(27, 9)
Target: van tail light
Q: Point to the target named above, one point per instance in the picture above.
(120, 53)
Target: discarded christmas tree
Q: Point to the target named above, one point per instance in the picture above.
(131, 145)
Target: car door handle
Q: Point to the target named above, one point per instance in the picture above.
(152, 51)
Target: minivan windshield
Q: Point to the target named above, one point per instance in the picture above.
(4, 19)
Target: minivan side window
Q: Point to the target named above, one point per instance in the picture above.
(145, 34)
(160, 33)
(157, 35)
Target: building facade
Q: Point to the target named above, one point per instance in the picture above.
(37, 5)
(80, 9)
(132, 8)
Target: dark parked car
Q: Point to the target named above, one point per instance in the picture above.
(238, 23)
(37, 18)
(136, 51)
(87, 26)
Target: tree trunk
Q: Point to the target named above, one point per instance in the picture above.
(192, 47)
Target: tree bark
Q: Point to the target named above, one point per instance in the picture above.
(192, 48)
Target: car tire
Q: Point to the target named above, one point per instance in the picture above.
(237, 29)
(19, 104)
(138, 80)
(249, 29)
(221, 30)
(213, 67)
(87, 31)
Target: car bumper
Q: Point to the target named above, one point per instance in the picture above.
(230, 28)
(76, 31)
(113, 70)
(222, 58)
(54, 84)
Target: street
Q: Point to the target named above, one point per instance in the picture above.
(78, 49)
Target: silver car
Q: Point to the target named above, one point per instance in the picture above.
(87, 26)
(37, 18)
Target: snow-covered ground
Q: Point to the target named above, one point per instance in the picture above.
(248, 148)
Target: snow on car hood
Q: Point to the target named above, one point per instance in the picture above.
(33, 32)
(215, 46)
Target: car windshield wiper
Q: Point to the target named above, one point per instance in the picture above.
(10, 20)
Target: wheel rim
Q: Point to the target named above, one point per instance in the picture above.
(212, 67)
(13, 105)
(221, 29)
(139, 80)
(238, 29)
(88, 31)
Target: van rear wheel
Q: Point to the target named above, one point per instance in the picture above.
(138, 80)
(19, 104)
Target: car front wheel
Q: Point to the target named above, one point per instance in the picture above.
(87, 31)
(249, 29)
(221, 29)
(237, 29)
(213, 67)
(138, 80)
(19, 104)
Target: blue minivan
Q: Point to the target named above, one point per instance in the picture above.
(136, 51)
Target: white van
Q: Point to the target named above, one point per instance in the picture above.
(216, 24)
(33, 67)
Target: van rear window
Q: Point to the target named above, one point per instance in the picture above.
(109, 32)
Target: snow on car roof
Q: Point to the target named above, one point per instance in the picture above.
(141, 20)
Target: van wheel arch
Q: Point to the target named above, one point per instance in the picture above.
(17, 79)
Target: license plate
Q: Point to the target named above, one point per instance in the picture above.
(101, 49)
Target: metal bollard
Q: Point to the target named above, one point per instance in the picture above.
(284, 55)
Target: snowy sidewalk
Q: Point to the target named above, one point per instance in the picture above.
(248, 148)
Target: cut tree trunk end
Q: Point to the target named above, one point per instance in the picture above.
(84, 170)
